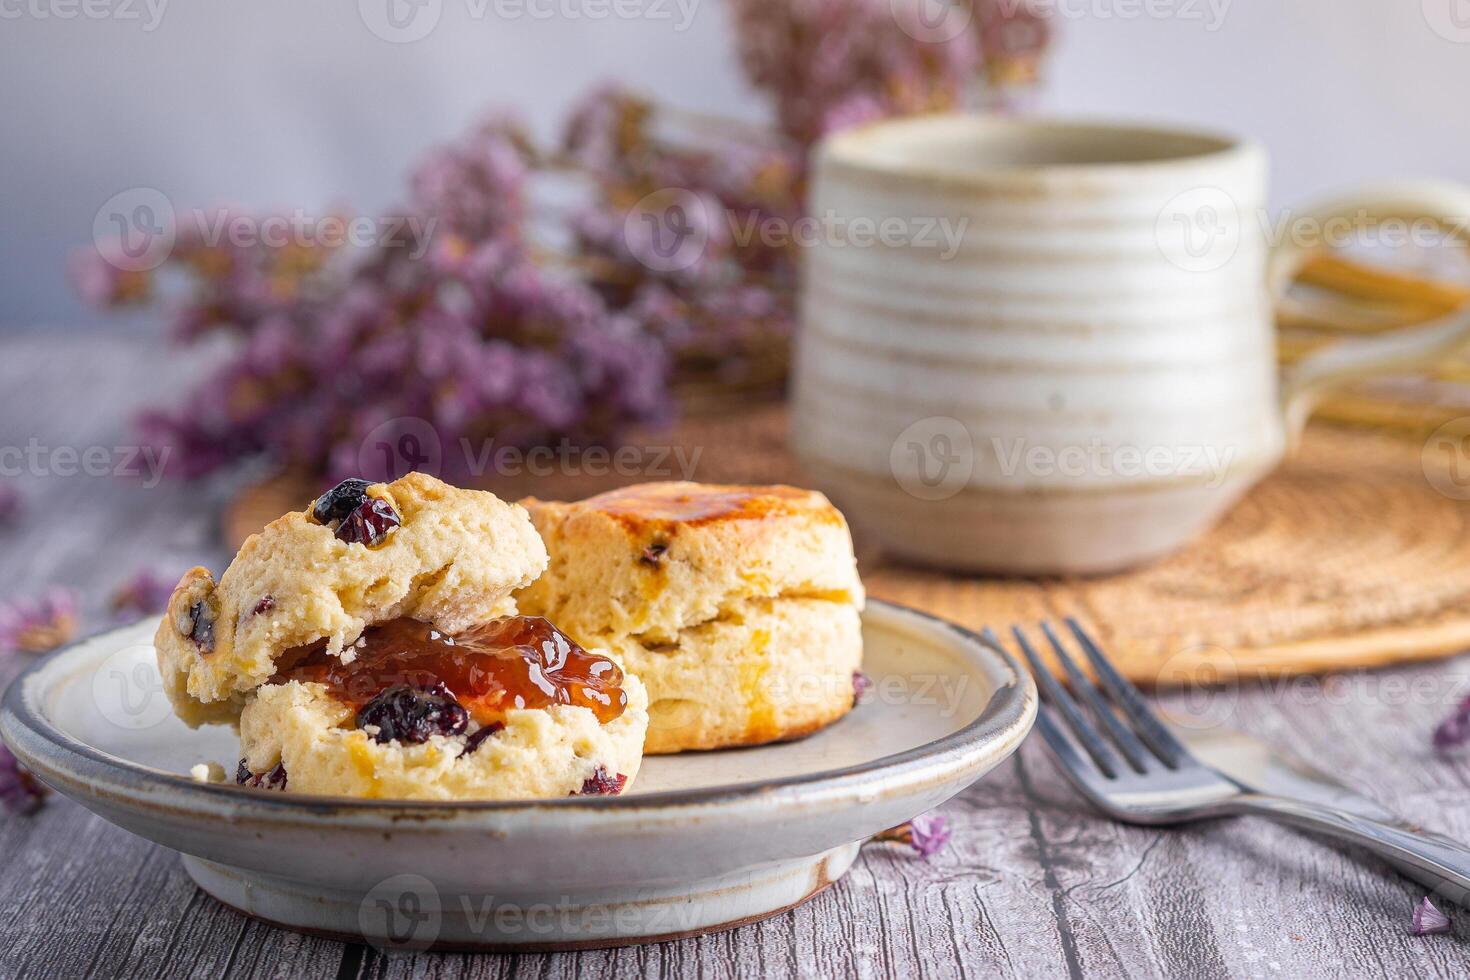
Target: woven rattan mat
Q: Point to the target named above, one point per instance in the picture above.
(1346, 557)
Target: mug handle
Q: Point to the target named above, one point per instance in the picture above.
(1303, 386)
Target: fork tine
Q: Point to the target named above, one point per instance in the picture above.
(1057, 696)
(1128, 698)
(1073, 764)
(1133, 750)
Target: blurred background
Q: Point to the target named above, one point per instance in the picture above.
(278, 104)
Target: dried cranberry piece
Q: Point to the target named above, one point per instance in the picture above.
(369, 524)
(654, 554)
(601, 784)
(265, 605)
(341, 500)
(201, 626)
(861, 684)
(273, 778)
(479, 735)
(414, 714)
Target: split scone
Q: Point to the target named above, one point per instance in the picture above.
(738, 607)
(361, 553)
(369, 647)
(509, 709)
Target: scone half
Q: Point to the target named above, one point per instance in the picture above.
(360, 554)
(421, 728)
(539, 754)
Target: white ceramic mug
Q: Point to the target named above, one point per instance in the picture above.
(1048, 347)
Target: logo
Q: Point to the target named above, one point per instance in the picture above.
(668, 230)
(1202, 677)
(1199, 230)
(401, 445)
(1446, 459)
(1450, 19)
(400, 21)
(933, 458)
(134, 230)
(128, 690)
(931, 21)
(401, 912)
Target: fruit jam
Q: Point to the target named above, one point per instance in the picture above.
(662, 503)
(498, 666)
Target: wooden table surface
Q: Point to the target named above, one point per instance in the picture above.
(1033, 883)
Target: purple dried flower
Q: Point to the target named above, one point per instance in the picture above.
(474, 188)
(1013, 38)
(1454, 731)
(20, 792)
(103, 281)
(10, 502)
(39, 624)
(144, 594)
(927, 834)
(1429, 920)
(605, 129)
(810, 56)
(861, 108)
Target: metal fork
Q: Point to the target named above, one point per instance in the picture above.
(1131, 767)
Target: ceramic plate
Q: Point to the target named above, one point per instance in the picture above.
(702, 841)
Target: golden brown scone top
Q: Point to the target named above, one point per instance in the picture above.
(658, 558)
(696, 504)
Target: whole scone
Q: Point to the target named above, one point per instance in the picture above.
(737, 606)
(426, 742)
(357, 555)
(656, 558)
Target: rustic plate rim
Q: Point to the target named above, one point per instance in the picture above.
(999, 728)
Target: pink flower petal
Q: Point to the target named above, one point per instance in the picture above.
(20, 793)
(144, 594)
(927, 834)
(1454, 731)
(10, 502)
(39, 624)
(1429, 920)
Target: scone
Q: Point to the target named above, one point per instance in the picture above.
(369, 647)
(510, 709)
(360, 554)
(736, 606)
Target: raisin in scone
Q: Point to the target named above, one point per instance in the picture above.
(509, 709)
(738, 607)
(360, 554)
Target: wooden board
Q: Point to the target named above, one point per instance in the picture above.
(1345, 557)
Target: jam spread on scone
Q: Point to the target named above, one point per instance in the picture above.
(408, 675)
(665, 503)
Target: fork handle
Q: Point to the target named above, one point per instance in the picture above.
(1435, 861)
